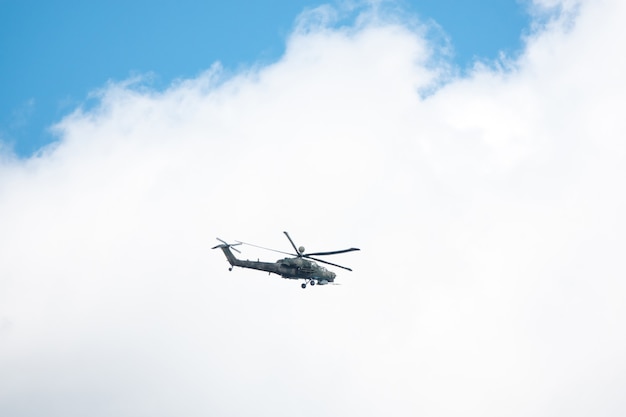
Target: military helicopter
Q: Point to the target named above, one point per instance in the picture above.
(300, 267)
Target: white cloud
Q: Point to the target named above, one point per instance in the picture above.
(489, 216)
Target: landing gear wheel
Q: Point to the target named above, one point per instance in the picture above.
(303, 285)
(312, 282)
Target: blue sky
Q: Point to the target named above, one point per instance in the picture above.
(53, 53)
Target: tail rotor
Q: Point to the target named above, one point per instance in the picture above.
(227, 245)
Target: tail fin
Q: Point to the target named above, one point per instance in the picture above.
(226, 247)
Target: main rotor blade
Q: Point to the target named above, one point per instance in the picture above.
(293, 244)
(263, 247)
(328, 263)
(333, 252)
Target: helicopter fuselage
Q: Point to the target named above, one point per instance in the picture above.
(289, 268)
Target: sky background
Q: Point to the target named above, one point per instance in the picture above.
(55, 53)
(484, 188)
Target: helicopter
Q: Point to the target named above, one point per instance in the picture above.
(303, 266)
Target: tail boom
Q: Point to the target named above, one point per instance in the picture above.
(270, 267)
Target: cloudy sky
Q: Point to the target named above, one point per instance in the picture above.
(481, 172)
(55, 53)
